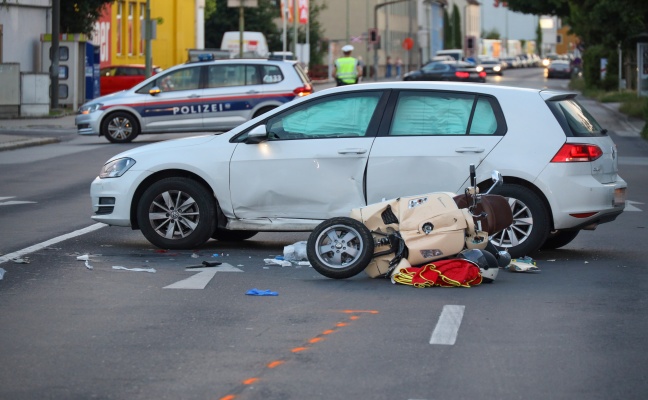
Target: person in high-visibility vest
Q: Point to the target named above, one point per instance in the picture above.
(347, 69)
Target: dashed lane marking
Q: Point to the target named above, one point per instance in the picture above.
(447, 327)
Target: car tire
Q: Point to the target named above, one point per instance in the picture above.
(226, 235)
(120, 127)
(558, 239)
(177, 213)
(530, 227)
(262, 111)
(340, 248)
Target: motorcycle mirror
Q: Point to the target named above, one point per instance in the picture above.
(496, 176)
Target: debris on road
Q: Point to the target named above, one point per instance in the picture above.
(295, 252)
(525, 264)
(2, 272)
(276, 261)
(23, 260)
(257, 292)
(135, 269)
(206, 264)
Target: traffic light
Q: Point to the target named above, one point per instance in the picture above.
(373, 36)
(470, 44)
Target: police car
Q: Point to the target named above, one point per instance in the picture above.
(211, 95)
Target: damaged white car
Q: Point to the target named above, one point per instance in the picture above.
(343, 148)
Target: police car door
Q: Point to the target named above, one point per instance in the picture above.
(232, 92)
(179, 105)
(431, 141)
(313, 162)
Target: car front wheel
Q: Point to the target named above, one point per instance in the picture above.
(177, 213)
(530, 227)
(120, 127)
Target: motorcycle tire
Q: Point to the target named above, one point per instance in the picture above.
(340, 248)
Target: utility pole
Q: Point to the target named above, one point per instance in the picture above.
(376, 7)
(241, 29)
(148, 27)
(54, 53)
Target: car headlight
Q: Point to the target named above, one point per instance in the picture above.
(497, 68)
(88, 108)
(480, 68)
(116, 168)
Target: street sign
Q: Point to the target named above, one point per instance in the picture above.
(408, 43)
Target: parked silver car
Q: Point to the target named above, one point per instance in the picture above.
(347, 147)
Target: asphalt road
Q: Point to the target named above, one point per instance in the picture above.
(573, 331)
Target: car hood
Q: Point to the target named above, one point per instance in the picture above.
(165, 146)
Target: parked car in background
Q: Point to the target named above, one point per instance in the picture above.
(492, 66)
(208, 95)
(459, 71)
(355, 145)
(548, 59)
(116, 78)
(559, 69)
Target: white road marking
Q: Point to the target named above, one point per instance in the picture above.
(13, 202)
(42, 245)
(629, 206)
(447, 327)
(202, 278)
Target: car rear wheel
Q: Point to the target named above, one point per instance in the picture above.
(530, 227)
(558, 239)
(177, 213)
(226, 235)
(120, 127)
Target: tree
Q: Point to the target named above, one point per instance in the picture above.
(220, 19)
(457, 38)
(81, 16)
(492, 34)
(447, 30)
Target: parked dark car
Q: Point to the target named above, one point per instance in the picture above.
(559, 69)
(459, 71)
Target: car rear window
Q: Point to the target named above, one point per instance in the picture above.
(575, 119)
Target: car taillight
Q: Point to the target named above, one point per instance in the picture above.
(462, 75)
(574, 152)
(303, 90)
(482, 74)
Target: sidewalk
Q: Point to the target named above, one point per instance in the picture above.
(15, 133)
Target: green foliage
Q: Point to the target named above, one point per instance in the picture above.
(538, 37)
(492, 34)
(559, 8)
(220, 19)
(592, 67)
(457, 37)
(447, 30)
(80, 16)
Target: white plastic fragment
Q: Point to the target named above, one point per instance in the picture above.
(295, 252)
(304, 263)
(2, 272)
(24, 260)
(87, 264)
(134, 269)
(84, 257)
(282, 263)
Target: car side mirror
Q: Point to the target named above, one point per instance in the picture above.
(257, 135)
(154, 91)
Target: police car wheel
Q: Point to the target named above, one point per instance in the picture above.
(177, 213)
(120, 127)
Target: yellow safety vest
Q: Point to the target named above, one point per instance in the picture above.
(347, 70)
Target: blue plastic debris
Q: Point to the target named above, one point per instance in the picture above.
(257, 292)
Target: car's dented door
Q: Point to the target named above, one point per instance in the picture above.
(313, 164)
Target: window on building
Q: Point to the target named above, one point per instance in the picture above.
(559, 39)
(118, 28)
(131, 36)
(142, 12)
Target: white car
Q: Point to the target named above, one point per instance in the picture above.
(210, 95)
(320, 156)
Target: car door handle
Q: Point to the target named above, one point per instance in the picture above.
(352, 151)
(469, 150)
(193, 96)
(252, 92)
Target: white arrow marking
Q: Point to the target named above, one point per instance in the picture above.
(202, 278)
(629, 206)
(447, 328)
(12, 202)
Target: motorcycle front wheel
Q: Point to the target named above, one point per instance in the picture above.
(340, 248)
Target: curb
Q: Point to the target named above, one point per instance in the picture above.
(18, 142)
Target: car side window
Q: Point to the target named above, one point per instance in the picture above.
(432, 113)
(484, 121)
(272, 74)
(182, 79)
(345, 115)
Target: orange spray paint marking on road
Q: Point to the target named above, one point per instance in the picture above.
(328, 331)
(315, 340)
(298, 349)
(360, 311)
(354, 317)
(228, 397)
(250, 381)
(341, 324)
(275, 364)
